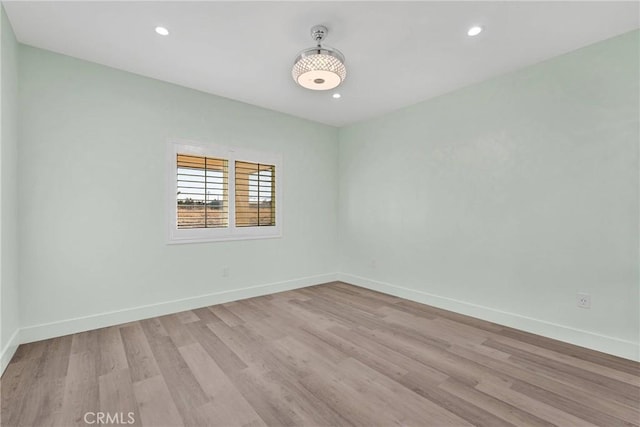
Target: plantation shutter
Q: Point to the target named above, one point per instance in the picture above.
(202, 192)
(255, 186)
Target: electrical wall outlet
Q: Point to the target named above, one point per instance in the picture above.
(374, 264)
(584, 300)
(225, 272)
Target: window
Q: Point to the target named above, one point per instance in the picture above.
(222, 193)
(255, 186)
(203, 192)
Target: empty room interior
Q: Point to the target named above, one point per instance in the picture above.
(320, 213)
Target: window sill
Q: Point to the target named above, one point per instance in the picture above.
(221, 239)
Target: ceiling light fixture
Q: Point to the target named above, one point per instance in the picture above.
(319, 68)
(336, 95)
(162, 31)
(474, 31)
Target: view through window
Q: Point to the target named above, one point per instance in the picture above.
(216, 192)
(202, 192)
(255, 188)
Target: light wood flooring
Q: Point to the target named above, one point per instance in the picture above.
(328, 355)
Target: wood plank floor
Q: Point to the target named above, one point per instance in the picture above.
(328, 355)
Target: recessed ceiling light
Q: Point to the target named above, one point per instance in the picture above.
(336, 95)
(162, 31)
(474, 31)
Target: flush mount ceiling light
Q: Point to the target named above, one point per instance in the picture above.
(319, 68)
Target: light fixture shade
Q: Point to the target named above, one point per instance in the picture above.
(319, 69)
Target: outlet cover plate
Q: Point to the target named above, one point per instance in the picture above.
(584, 300)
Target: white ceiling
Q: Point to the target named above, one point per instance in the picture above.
(397, 53)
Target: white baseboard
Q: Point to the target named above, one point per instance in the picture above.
(626, 349)
(615, 346)
(9, 350)
(101, 320)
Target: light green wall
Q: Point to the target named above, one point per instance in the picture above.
(92, 175)
(506, 198)
(9, 316)
(501, 200)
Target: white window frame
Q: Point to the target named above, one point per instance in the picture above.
(231, 154)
